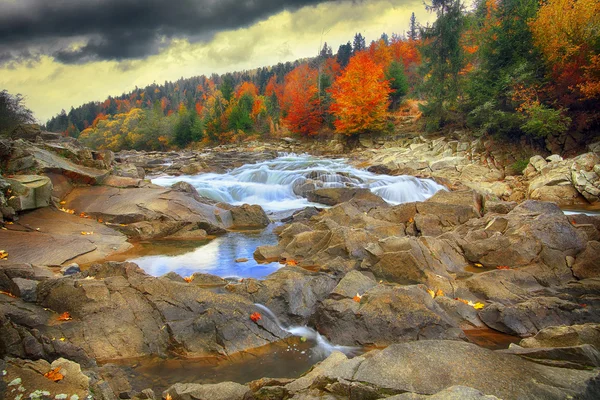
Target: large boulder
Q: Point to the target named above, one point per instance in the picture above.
(246, 216)
(218, 391)
(334, 196)
(565, 336)
(385, 315)
(120, 312)
(29, 192)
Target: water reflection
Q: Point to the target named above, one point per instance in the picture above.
(216, 257)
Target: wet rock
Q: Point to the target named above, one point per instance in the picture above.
(333, 196)
(219, 391)
(129, 170)
(29, 192)
(292, 293)
(565, 336)
(207, 280)
(385, 315)
(452, 393)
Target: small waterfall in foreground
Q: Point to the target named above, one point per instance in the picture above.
(322, 349)
(276, 184)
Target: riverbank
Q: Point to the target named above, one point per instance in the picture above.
(412, 279)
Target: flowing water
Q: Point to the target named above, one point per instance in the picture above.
(271, 184)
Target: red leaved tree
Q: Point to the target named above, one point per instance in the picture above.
(300, 103)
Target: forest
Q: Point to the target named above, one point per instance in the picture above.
(508, 68)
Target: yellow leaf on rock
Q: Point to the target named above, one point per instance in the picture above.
(478, 265)
(168, 397)
(431, 293)
(3, 254)
(439, 293)
(478, 306)
(87, 233)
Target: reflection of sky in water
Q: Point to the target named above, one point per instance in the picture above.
(217, 257)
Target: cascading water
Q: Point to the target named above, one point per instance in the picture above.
(322, 347)
(272, 184)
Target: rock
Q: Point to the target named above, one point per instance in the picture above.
(452, 393)
(29, 192)
(565, 336)
(207, 280)
(580, 357)
(59, 239)
(432, 366)
(72, 373)
(446, 163)
(70, 269)
(246, 216)
(333, 196)
(129, 170)
(122, 182)
(352, 283)
(26, 289)
(467, 198)
(219, 391)
(385, 315)
(500, 207)
(562, 195)
(587, 263)
(120, 312)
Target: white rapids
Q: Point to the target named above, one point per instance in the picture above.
(271, 184)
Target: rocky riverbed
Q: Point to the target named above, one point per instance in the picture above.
(410, 281)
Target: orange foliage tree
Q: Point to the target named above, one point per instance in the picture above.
(360, 96)
(565, 31)
(300, 102)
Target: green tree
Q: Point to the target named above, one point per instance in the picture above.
(398, 83)
(413, 32)
(443, 59)
(239, 119)
(13, 112)
(344, 53)
(227, 87)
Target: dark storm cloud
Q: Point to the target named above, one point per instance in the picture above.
(120, 29)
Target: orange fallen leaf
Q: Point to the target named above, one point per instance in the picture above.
(291, 262)
(439, 293)
(502, 267)
(62, 203)
(255, 317)
(411, 220)
(3, 254)
(462, 300)
(357, 298)
(8, 294)
(189, 279)
(66, 316)
(100, 220)
(87, 233)
(67, 210)
(54, 375)
(168, 397)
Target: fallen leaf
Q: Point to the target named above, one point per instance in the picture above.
(189, 279)
(67, 210)
(291, 262)
(411, 220)
(54, 375)
(62, 339)
(87, 233)
(439, 293)
(10, 223)
(431, 293)
(168, 397)
(255, 317)
(100, 220)
(8, 294)
(478, 265)
(478, 306)
(583, 305)
(357, 298)
(62, 203)
(3, 254)
(502, 267)
(462, 300)
(66, 316)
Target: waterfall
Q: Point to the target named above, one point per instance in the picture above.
(322, 347)
(271, 183)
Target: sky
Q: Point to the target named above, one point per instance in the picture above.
(63, 53)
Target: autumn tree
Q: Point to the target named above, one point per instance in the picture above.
(442, 61)
(300, 103)
(360, 97)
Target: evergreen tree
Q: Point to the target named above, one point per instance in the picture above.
(344, 53)
(443, 59)
(398, 83)
(227, 87)
(413, 33)
(359, 43)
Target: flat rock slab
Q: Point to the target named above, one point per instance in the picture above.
(59, 239)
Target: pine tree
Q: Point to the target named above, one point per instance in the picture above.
(443, 59)
(413, 33)
(359, 43)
